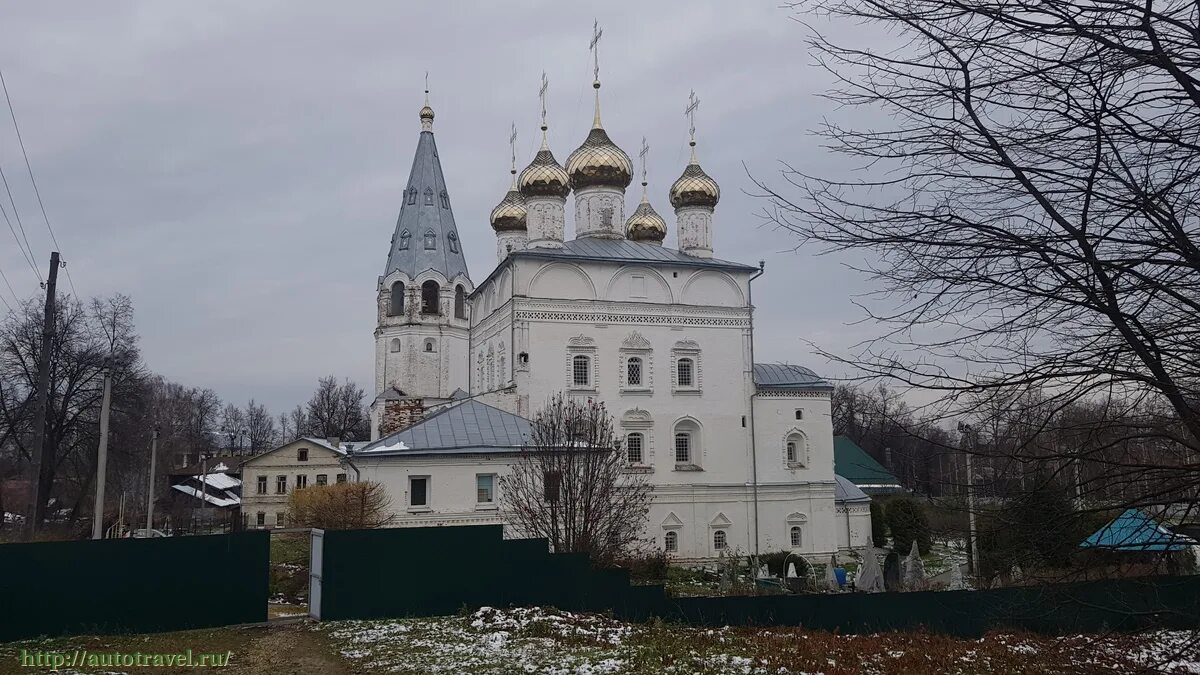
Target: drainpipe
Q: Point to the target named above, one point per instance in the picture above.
(762, 267)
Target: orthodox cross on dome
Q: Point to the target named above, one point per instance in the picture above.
(594, 46)
(427, 87)
(512, 144)
(642, 153)
(690, 113)
(542, 97)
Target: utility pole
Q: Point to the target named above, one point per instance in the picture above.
(37, 500)
(150, 488)
(102, 457)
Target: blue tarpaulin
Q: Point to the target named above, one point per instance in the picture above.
(1136, 531)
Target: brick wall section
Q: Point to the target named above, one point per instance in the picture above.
(400, 414)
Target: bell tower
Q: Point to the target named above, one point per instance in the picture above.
(423, 318)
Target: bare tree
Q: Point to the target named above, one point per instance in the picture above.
(572, 485)
(336, 410)
(260, 427)
(233, 427)
(1030, 214)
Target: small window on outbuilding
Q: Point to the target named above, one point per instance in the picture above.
(302, 455)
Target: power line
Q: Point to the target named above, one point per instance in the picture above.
(18, 240)
(28, 167)
(10, 290)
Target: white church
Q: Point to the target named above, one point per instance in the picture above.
(735, 450)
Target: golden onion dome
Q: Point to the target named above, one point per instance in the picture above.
(645, 224)
(426, 112)
(599, 162)
(509, 215)
(544, 177)
(694, 187)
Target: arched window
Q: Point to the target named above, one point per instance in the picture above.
(671, 541)
(430, 240)
(720, 540)
(412, 195)
(452, 242)
(633, 371)
(395, 344)
(429, 297)
(430, 346)
(795, 450)
(685, 369)
(633, 448)
(445, 200)
(396, 304)
(581, 370)
(405, 235)
(460, 302)
(797, 538)
(428, 196)
(687, 442)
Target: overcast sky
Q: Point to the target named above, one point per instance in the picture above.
(237, 167)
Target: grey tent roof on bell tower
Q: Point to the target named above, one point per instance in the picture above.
(426, 236)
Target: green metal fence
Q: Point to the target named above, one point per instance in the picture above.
(132, 585)
(441, 570)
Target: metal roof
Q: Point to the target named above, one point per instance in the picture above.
(1135, 531)
(621, 250)
(785, 376)
(853, 463)
(433, 241)
(469, 426)
(847, 492)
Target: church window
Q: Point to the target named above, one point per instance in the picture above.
(460, 301)
(795, 449)
(429, 297)
(412, 195)
(581, 370)
(452, 242)
(671, 541)
(796, 536)
(500, 365)
(445, 200)
(429, 345)
(396, 304)
(633, 371)
(799, 413)
(430, 240)
(720, 540)
(428, 197)
(633, 448)
(683, 447)
(687, 443)
(686, 372)
(491, 369)
(405, 235)
(395, 344)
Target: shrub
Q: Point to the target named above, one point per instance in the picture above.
(646, 566)
(341, 506)
(878, 528)
(907, 522)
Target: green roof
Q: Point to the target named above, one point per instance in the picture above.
(853, 463)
